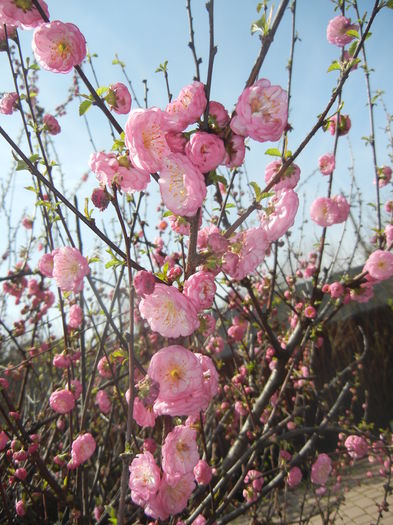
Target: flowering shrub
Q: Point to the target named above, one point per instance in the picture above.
(180, 379)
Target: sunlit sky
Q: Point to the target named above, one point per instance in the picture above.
(145, 34)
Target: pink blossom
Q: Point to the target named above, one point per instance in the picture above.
(363, 293)
(51, 124)
(45, 265)
(27, 223)
(61, 361)
(210, 380)
(144, 282)
(288, 179)
(3, 440)
(179, 452)
(310, 312)
(62, 401)
(235, 151)
(8, 103)
(204, 234)
(100, 198)
(202, 472)
(171, 498)
(208, 324)
(58, 46)
(218, 116)
(82, 449)
(169, 312)
(75, 316)
(327, 163)
(261, 112)
(176, 141)
(22, 13)
(343, 127)
(294, 477)
(356, 446)
(182, 185)
(280, 214)
(389, 234)
(205, 150)
(145, 138)
(384, 176)
(321, 469)
(247, 251)
(69, 269)
(21, 473)
(379, 265)
(119, 98)
(255, 478)
(336, 290)
(20, 508)
(104, 368)
(76, 388)
(143, 413)
(342, 208)
(103, 401)
(187, 108)
(201, 289)
(337, 31)
(144, 477)
(325, 211)
(180, 377)
(238, 329)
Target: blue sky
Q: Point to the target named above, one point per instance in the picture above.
(144, 34)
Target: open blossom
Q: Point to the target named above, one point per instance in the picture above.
(205, 150)
(169, 312)
(62, 401)
(187, 108)
(144, 282)
(384, 176)
(69, 269)
(104, 367)
(103, 401)
(21, 13)
(247, 251)
(171, 498)
(179, 375)
(182, 185)
(356, 446)
(380, 265)
(280, 214)
(119, 98)
(145, 138)
(82, 449)
(337, 31)
(51, 124)
(201, 289)
(58, 46)
(8, 103)
(321, 469)
(145, 477)
(210, 380)
(288, 179)
(20, 508)
(179, 452)
(202, 472)
(327, 163)
(325, 211)
(218, 116)
(261, 112)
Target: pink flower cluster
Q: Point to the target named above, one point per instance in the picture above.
(165, 493)
(337, 31)
(280, 214)
(82, 449)
(67, 266)
(356, 446)
(327, 211)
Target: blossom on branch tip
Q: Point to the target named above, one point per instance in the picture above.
(21, 13)
(337, 31)
(261, 112)
(119, 98)
(8, 103)
(58, 46)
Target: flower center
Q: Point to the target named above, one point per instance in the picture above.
(23, 4)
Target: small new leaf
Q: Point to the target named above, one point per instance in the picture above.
(352, 32)
(257, 191)
(334, 66)
(84, 106)
(274, 152)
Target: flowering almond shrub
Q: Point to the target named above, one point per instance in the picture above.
(160, 363)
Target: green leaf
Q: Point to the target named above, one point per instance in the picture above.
(274, 152)
(167, 214)
(34, 157)
(84, 106)
(334, 66)
(257, 191)
(352, 32)
(214, 177)
(101, 90)
(31, 188)
(21, 165)
(162, 67)
(389, 4)
(351, 49)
